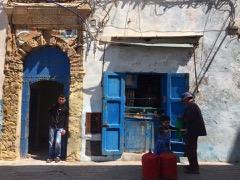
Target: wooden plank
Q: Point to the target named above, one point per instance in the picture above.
(93, 148)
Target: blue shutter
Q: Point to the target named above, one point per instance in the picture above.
(173, 87)
(113, 114)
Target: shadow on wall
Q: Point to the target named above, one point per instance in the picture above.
(45, 54)
(96, 96)
(3, 26)
(157, 59)
(235, 152)
(136, 59)
(168, 4)
(127, 58)
(3, 17)
(139, 59)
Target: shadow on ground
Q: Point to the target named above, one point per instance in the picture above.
(213, 172)
(107, 172)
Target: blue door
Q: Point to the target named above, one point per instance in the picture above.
(46, 63)
(113, 113)
(174, 84)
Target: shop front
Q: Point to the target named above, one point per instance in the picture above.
(132, 105)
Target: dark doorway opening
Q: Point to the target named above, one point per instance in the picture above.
(43, 94)
(147, 97)
(143, 107)
(144, 90)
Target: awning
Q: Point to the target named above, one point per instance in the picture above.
(154, 41)
(153, 45)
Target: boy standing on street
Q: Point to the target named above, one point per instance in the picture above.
(163, 139)
(164, 134)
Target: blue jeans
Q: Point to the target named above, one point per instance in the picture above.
(55, 138)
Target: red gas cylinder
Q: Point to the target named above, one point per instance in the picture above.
(168, 166)
(150, 166)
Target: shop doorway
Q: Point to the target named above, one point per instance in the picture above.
(143, 106)
(148, 96)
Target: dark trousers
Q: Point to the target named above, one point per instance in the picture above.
(191, 152)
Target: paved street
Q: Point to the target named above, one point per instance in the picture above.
(130, 170)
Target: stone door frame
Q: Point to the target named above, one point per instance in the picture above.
(13, 83)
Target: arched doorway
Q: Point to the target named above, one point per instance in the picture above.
(46, 74)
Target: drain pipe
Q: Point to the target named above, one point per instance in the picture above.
(195, 69)
(103, 62)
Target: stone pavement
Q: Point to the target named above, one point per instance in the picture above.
(115, 170)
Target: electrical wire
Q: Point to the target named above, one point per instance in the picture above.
(139, 20)
(203, 72)
(126, 21)
(157, 31)
(215, 42)
(195, 67)
(208, 66)
(205, 25)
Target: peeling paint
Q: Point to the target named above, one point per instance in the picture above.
(219, 94)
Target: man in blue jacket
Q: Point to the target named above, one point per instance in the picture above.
(195, 126)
